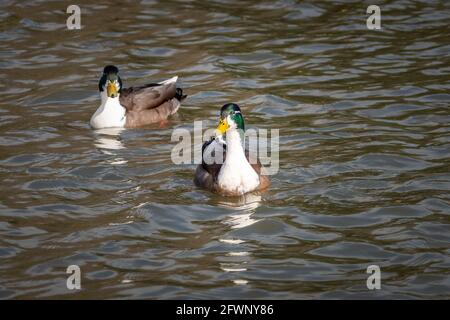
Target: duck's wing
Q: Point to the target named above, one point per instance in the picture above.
(147, 116)
(204, 179)
(208, 171)
(150, 96)
(264, 181)
(256, 166)
(209, 163)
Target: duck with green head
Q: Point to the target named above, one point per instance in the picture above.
(235, 175)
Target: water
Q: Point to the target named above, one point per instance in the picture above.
(364, 161)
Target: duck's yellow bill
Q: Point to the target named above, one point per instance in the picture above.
(223, 126)
(111, 89)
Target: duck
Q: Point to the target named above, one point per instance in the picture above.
(235, 176)
(135, 106)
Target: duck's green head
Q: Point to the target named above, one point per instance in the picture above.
(230, 118)
(110, 81)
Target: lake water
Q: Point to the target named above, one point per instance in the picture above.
(364, 179)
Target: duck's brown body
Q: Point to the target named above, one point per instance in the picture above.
(150, 104)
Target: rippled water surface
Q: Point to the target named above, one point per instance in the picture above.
(364, 151)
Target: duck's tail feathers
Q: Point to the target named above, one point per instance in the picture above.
(179, 94)
(168, 81)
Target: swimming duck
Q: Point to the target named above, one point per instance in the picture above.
(135, 106)
(235, 176)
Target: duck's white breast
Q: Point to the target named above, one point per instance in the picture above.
(110, 114)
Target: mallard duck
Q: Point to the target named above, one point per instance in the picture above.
(135, 106)
(234, 176)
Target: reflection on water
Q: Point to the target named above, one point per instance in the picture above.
(108, 144)
(240, 220)
(363, 118)
(107, 140)
(243, 208)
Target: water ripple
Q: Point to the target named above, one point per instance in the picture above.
(364, 151)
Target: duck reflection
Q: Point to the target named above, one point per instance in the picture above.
(245, 207)
(108, 140)
(238, 257)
